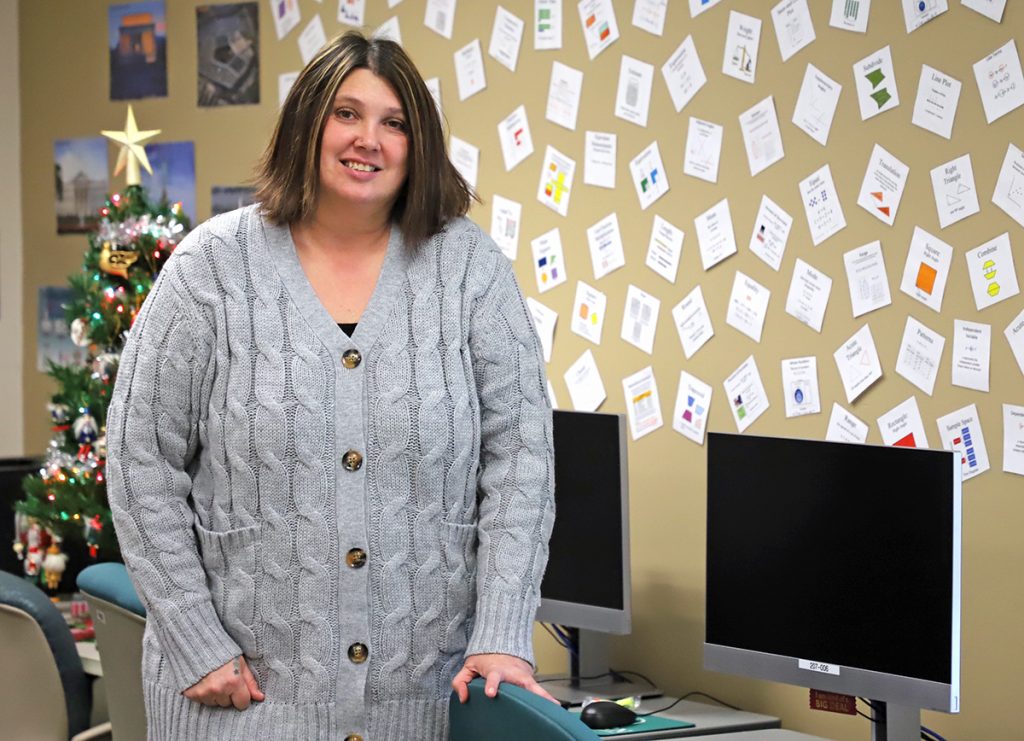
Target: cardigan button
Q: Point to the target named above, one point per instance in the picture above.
(352, 461)
(351, 359)
(358, 653)
(356, 558)
(353, 737)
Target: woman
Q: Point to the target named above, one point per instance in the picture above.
(329, 447)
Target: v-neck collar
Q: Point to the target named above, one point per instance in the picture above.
(389, 284)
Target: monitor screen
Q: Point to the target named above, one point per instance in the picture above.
(586, 584)
(835, 566)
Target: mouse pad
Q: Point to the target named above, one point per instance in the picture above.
(644, 725)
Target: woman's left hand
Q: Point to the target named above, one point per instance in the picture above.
(496, 668)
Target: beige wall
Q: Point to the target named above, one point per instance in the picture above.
(65, 94)
(11, 431)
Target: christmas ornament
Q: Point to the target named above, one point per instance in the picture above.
(34, 543)
(80, 332)
(132, 152)
(53, 565)
(104, 365)
(59, 413)
(93, 529)
(117, 262)
(85, 428)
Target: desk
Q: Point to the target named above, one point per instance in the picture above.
(776, 734)
(707, 720)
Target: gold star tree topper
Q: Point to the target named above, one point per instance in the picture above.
(132, 151)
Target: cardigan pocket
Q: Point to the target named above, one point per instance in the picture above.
(460, 578)
(231, 559)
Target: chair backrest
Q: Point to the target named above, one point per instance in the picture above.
(44, 693)
(119, 620)
(515, 714)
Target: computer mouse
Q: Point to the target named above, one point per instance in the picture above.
(606, 714)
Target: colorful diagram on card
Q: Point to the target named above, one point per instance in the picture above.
(694, 413)
(547, 269)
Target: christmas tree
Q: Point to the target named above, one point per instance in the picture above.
(66, 501)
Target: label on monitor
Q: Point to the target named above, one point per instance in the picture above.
(818, 666)
(833, 702)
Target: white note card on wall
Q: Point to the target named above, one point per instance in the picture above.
(746, 396)
(683, 74)
(586, 390)
(1000, 81)
(816, 104)
(902, 426)
(926, 269)
(992, 272)
(693, 404)
(1009, 192)
(920, 355)
(703, 150)
(937, 97)
(643, 406)
(961, 432)
(742, 40)
(821, 205)
(875, 79)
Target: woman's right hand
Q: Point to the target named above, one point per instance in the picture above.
(231, 685)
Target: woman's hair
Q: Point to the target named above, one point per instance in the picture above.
(287, 177)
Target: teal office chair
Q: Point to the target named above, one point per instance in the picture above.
(514, 715)
(119, 619)
(45, 694)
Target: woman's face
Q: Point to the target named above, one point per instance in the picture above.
(365, 144)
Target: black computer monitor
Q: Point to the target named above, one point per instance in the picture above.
(837, 567)
(586, 586)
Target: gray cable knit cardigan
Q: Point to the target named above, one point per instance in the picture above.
(238, 509)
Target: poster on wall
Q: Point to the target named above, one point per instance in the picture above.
(53, 336)
(137, 40)
(224, 198)
(80, 179)
(174, 174)
(228, 58)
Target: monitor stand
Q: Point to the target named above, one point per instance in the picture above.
(591, 660)
(894, 722)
